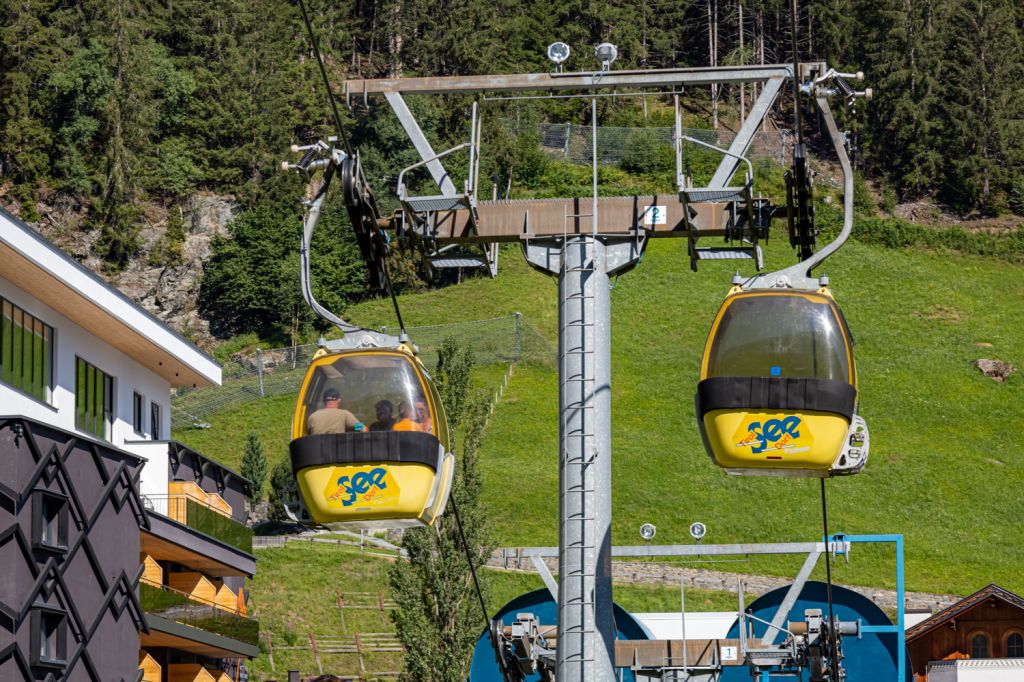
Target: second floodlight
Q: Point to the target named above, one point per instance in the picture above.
(606, 54)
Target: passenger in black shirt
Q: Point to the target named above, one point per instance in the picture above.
(385, 421)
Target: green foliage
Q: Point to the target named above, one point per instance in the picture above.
(179, 607)
(454, 364)
(170, 249)
(646, 154)
(1016, 199)
(281, 479)
(889, 199)
(216, 525)
(529, 163)
(119, 103)
(438, 617)
(174, 172)
(251, 282)
(898, 233)
(863, 201)
(254, 465)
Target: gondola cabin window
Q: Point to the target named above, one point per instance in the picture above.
(94, 400)
(780, 335)
(381, 391)
(26, 352)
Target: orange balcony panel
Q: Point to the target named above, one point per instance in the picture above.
(151, 671)
(188, 672)
(151, 570)
(192, 489)
(195, 585)
(225, 598)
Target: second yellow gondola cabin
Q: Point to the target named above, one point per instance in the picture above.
(370, 446)
(778, 386)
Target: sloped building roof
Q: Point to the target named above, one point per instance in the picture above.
(965, 605)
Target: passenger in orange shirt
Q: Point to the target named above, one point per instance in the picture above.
(405, 418)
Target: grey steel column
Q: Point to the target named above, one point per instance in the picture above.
(586, 630)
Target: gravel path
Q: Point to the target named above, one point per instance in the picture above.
(652, 573)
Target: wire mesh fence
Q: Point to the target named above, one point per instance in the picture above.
(279, 371)
(573, 143)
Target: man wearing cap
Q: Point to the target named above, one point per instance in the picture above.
(331, 418)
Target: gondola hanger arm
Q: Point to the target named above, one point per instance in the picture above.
(799, 276)
(355, 336)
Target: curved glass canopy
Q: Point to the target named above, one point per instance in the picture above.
(383, 391)
(785, 334)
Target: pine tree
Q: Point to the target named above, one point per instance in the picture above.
(31, 48)
(903, 132)
(982, 110)
(438, 617)
(281, 479)
(254, 465)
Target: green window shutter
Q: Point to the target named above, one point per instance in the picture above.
(16, 364)
(6, 343)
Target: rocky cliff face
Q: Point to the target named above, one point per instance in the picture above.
(169, 291)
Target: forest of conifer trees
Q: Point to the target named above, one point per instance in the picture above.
(110, 104)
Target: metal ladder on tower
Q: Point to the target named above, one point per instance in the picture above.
(746, 220)
(578, 384)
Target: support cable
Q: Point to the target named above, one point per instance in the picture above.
(833, 650)
(327, 82)
(386, 276)
(476, 585)
(796, 74)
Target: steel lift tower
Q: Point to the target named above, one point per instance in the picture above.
(582, 243)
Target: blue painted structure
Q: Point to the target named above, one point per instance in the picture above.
(879, 655)
(539, 602)
(872, 658)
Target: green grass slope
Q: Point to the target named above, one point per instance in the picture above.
(945, 467)
(946, 461)
(295, 590)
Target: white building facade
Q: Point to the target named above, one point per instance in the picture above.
(78, 355)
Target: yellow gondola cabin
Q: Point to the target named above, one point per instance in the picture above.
(778, 386)
(370, 445)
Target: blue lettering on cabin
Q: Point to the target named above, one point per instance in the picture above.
(361, 483)
(772, 431)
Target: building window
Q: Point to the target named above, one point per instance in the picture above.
(94, 400)
(138, 421)
(979, 646)
(49, 636)
(1015, 645)
(49, 520)
(155, 420)
(26, 352)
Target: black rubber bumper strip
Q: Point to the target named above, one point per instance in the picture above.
(364, 447)
(767, 393)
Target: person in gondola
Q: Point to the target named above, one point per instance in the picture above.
(406, 420)
(331, 418)
(385, 416)
(423, 416)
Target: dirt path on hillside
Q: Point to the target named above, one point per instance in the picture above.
(651, 573)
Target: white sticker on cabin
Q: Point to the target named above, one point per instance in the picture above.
(729, 653)
(655, 215)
